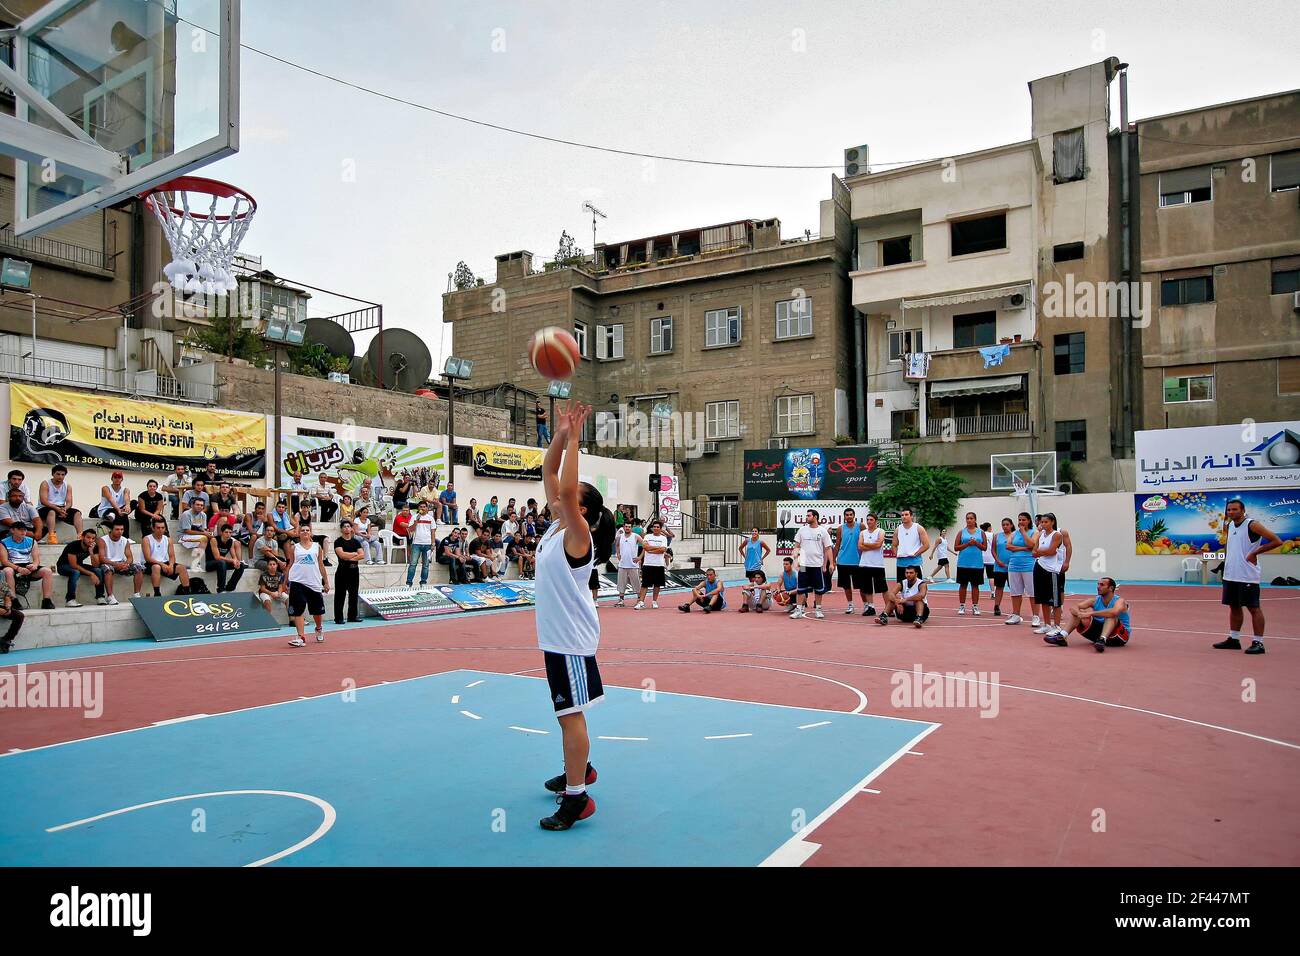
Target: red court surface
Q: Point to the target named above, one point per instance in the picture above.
(1143, 755)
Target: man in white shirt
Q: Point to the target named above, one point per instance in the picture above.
(421, 534)
(175, 485)
(654, 564)
(817, 560)
(627, 545)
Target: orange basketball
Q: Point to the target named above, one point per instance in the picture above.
(553, 352)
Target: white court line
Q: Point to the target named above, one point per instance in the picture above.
(455, 698)
(869, 790)
(820, 723)
(468, 714)
(915, 753)
(794, 851)
(622, 738)
(326, 809)
(727, 736)
(178, 720)
(528, 730)
(15, 750)
(475, 684)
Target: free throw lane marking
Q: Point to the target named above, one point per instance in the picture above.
(727, 736)
(471, 716)
(622, 738)
(820, 723)
(528, 730)
(475, 684)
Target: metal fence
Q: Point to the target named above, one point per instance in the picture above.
(977, 424)
(54, 249)
(61, 373)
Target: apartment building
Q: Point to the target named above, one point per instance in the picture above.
(1219, 236)
(731, 321)
(987, 250)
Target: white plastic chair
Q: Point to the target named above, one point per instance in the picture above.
(390, 543)
(1192, 566)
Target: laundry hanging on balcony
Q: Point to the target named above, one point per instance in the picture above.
(994, 354)
(918, 365)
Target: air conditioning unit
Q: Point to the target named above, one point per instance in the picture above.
(1295, 301)
(1014, 302)
(778, 443)
(710, 448)
(856, 161)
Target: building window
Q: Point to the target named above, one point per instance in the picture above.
(1067, 156)
(1067, 352)
(1189, 388)
(1067, 252)
(974, 329)
(1178, 187)
(1284, 170)
(661, 335)
(721, 327)
(609, 428)
(389, 440)
(794, 318)
(1187, 291)
(580, 334)
(1072, 440)
(904, 342)
(1288, 376)
(1285, 281)
(895, 251)
(315, 433)
(984, 234)
(724, 511)
(460, 455)
(721, 420)
(794, 415)
(609, 342)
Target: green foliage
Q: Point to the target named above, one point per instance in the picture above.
(312, 359)
(932, 492)
(1066, 470)
(225, 336)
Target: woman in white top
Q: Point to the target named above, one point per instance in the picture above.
(568, 629)
(308, 584)
(940, 553)
(368, 534)
(1049, 557)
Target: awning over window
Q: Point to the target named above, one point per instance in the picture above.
(958, 298)
(978, 386)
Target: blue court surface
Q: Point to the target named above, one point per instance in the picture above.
(441, 770)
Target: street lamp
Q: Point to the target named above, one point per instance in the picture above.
(454, 368)
(16, 275)
(281, 331)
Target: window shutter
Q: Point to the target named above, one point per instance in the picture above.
(1288, 376)
(1286, 170)
(1185, 180)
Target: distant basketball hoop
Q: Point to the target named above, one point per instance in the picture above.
(204, 221)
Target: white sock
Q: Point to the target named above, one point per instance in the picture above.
(571, 791)
(1235, 635)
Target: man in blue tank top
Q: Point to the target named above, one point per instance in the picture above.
(1102, 620)
(851, 575)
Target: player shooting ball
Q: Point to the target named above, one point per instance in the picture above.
(568, 629)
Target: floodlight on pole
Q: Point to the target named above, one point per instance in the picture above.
(454, 368)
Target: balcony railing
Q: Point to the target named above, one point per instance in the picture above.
(54, 249)
(941, 427)
(61, 373)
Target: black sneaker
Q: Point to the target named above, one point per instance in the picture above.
(570, 809)
(883, 619)
(868, 611)
(1100, 645)
(1229, 644)
(338, 620)
(6, 646)
(997, 611)
(684, 608)
(1256, 647)
(558, 783)
(1055, 640)
(47, 604)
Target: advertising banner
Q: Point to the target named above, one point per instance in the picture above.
(1189, 522)
(49, 426)
(1251, 455)
(203, 615)
(474, 597)
(670, 502)
(346, 464)
(399, 604)
(791, 515)
(498, 461)
(810, 473)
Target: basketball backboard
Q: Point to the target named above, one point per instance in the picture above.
(1037, 469)
(115, 97)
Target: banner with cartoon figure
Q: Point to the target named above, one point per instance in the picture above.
(50, 426)
(1189, 522)
(810, 473)
(347, 464)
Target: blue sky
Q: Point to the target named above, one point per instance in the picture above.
(757, 81)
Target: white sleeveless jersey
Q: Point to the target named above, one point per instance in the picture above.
(988, 551)
(942, 551)
(58, 494)
(305, 569)
(158, 548)
(909, 540)
(874, 558)
(566, 617)
(1052, 562)
(115, 550)
(117, 501)
(627, 549)
(1235, 566)
(910, 590)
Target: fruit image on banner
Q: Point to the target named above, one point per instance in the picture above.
(1190, 522)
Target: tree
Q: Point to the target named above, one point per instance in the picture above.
(227, 336)
(932, 492)
(310, 358)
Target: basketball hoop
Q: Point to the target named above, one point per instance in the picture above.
(1019, 487)
(204, 221)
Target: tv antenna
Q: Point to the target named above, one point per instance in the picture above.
(588, 207)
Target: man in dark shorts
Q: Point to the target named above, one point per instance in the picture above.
(1247, 540)
(817, 560)
(906, 600)
(1104, 621)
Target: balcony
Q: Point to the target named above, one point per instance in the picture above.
(969, 363)
(145, 384)
(965, 425)
(54, 251)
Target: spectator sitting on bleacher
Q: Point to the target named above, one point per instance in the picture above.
(402, 523)
(9, 613)
(224, 500)
(226, 558)
(194, 532)
(326, 498)
(483, 561)
(298, 493)
(255, 522)
(367, 533)
(56, 502)
(160, 559)
(366, 499)
(267, 548)
(149, 506)
(347, 508)
(282, 522)
(447, 504)
(209, 474)
(490, 513)
(303, 517)
(17, 511)
(20, 556)
(496, 551)
(81, 557)
(116, 557)
(200, 491)
(452, 554)
(272, 586)
(18, 480)
(175, 485)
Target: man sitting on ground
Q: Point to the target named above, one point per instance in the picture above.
(1103, 620)
(758, 594)
(906, 599)
(708, 594)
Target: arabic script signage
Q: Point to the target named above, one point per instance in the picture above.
(1250, 455)
(810, 473)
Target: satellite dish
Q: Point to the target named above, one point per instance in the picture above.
(406, 362)
(360, 371)
(333, 336)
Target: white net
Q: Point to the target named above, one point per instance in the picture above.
(204, 222)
